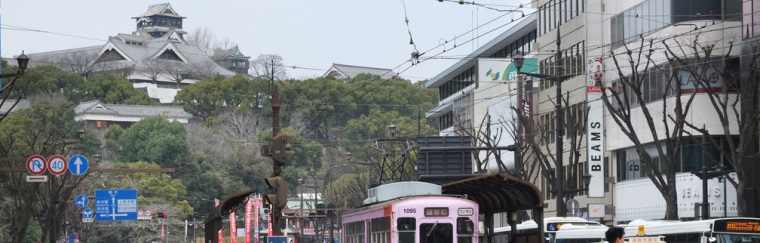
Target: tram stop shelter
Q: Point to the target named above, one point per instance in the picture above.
(501, 193)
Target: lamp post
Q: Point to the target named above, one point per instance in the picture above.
(313, 174)
(392, 128)
(559, 170)
(300, 221)
(23, 63)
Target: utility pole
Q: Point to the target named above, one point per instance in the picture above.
(557, 77)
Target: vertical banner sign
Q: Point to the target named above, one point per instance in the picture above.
(595, 126)
(185, 239)
(219, 234)
(248, 212)
(256, 210)
(233, 228)
(269, 221)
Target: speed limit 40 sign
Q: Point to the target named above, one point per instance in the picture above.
(57, 165)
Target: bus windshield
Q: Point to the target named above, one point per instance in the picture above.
(735, 238)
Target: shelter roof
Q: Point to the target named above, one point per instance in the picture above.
(498, 193)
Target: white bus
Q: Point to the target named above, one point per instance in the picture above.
(580, 233)
(551, 226)
(724, 230)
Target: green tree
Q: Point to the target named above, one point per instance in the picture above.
(114, 89)
(155, 139)
(315, 104)
(211, 96)
(51, 79)
(46, 128)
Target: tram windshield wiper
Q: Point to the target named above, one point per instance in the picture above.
(431, 230)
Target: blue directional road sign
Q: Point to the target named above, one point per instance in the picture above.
(87, 213)
(82, 201)
(78, 165)
(116, 205)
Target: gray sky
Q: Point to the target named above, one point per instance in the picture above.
(306, 33)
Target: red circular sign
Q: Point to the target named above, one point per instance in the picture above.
(57, 165)
(36, 165)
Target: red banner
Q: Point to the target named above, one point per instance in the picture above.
(256, 210)
(248, 211)
(221, 236)
(233, 228)
(269, 220)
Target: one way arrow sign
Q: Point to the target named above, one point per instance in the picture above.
(78, 165)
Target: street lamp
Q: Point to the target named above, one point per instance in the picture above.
(392, 127)
(23, 63)
(80, 134)
(560, 173)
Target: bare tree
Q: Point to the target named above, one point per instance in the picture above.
(205, 39)
(539, 157)
(153, 69)
(204, 69)
(264, 65)
(714, 73)
(628, 106)
(486, 137)
(178, 71)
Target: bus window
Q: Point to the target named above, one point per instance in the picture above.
(436, 233)
(406, 227)
(465, 229)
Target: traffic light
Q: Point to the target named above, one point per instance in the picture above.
(282, 150)
(320, 209)
(278, 192)
(161, 215)
(331, 210)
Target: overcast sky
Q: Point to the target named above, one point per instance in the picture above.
(306, 33)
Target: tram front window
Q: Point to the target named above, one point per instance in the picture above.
(436, 232)
(732, 238)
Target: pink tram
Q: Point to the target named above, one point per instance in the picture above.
(411, 212)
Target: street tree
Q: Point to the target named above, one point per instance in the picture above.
(536, 136)
(639, 113)
(46, 128)
(712, 70)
